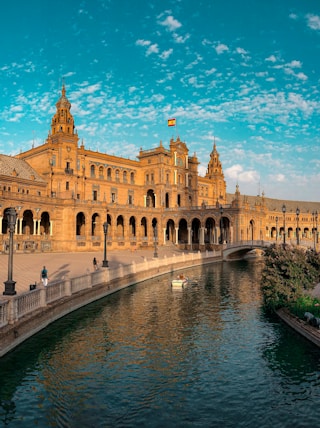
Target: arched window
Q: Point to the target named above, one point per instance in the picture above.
(109, 174)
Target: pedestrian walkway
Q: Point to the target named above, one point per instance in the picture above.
(27, 267)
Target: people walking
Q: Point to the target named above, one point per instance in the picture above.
(44, 276)
(95, 263)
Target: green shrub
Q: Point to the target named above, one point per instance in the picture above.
(288, 272)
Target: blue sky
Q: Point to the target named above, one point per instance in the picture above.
(244, 74)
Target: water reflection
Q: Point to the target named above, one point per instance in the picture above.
(206, 355)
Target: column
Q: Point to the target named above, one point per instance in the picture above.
(39, 221)
(34, 227)
(164, 236)
(51, 226)
(20, 227)
(201, 235)
(177, 230)
(189, 235)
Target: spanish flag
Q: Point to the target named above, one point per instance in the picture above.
(171, 122)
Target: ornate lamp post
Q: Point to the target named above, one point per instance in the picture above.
(315, 228)
(316, 217)
(277, 229)
(284, 225)
(10, 284)
(155, 236)
(297, 233)
(105, 231)
(221, 225)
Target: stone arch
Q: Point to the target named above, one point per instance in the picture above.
(45, 223)
(120, 227)
(195, 230)
(150, 199)
(27, 223)
(132, 227)
(80, 224)
(170, 231)
(183, 231)
(210, 231)
(144, 229)
(95, 225)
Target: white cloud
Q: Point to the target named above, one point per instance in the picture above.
(152, 49)
(166, 54)
(211, 71)
(180, 39)
(271, 58)
(142, 42)
(237, 173)
(170, 23)
(293, 16)
(294, 64)
(313, 22)
(220, 48)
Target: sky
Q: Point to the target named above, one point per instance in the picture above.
(242, 74)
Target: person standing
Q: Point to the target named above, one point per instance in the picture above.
(44, 276)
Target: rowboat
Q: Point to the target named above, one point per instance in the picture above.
(179, 283)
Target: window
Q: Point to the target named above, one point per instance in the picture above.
(67, 185)
(109, 174)
(130, 200)
(113, 197)
(95, 195)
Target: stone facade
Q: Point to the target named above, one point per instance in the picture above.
(64, 193)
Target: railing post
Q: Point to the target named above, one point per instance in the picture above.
(12, 310)
(68, 287)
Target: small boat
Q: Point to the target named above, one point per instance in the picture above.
(179, 282)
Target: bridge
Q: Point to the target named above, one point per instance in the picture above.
(237, 250)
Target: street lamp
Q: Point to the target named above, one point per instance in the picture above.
(105, 231)
(155, 235)
(10, 284)
(284, 225)
(221, 225)
(297, 233)
(277, 229)
(315, 228)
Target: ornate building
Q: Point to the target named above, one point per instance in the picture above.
(63, 193)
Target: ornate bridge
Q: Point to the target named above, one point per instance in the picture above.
(238, 250)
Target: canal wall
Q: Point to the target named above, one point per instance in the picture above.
(23, 315)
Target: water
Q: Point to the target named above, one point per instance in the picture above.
(150, 356)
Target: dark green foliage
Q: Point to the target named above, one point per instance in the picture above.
(287, 273)
(306, 304)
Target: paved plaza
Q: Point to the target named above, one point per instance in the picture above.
(27, 267)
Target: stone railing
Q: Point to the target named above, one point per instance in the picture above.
(25, 314)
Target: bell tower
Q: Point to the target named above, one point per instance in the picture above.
(215, 174)
(62, 122)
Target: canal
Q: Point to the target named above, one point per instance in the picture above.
(150, 356)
